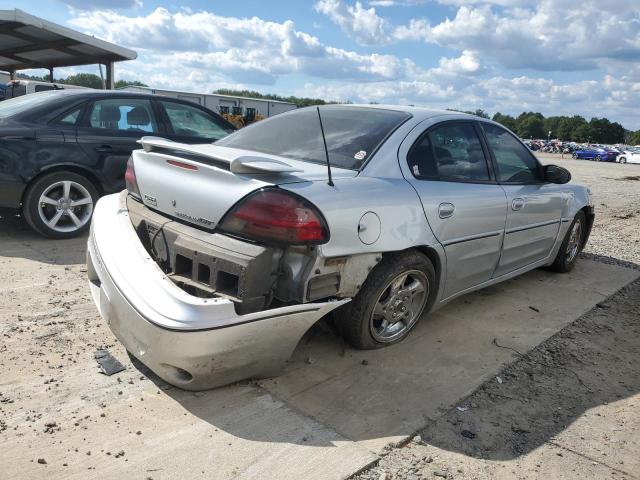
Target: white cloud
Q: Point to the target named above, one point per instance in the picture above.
(362, 24)
(201, 51)
(516, 34)
(249, 50)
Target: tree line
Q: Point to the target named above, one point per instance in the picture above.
(567, 128)
(298, 101)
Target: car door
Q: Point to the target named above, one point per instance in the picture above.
(447, 165)
(534, 208)
(109, 133)
(190, 124)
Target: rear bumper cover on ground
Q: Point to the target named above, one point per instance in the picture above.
(193, 343)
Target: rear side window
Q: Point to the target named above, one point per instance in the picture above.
(69, 118)
(353, 134)
(515, 162)
(449, 153)
(193, 122)
(129, 114)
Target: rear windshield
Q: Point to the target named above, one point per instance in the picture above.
(20, 104)
(353, 134)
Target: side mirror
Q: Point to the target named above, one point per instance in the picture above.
(556, 174)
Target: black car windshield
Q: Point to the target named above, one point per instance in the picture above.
(20, 104)
(353, 134)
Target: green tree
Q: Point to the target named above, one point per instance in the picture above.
(127, 83)
(299, 101)
(582, 133)
(83, 80)
(506, 120)
(530, 125)
(634, 138)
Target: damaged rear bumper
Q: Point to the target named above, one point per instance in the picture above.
(191, 342)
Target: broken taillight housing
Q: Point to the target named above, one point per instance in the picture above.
(275, 216)
(130, 180)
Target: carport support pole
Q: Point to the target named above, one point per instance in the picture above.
(51, 74)
(110, 83)
(12, 75)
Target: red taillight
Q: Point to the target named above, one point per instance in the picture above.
(273, 215)
(130, 179)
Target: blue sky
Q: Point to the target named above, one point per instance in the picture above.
(499, 55)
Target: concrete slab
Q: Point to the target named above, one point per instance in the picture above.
(236, 432)
(448, 355)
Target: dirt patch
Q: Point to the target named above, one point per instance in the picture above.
(574, 396)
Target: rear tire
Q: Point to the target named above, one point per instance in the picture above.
(623, 160)
(598, 158)
(571, 245)
(60, 204)
(390, 303)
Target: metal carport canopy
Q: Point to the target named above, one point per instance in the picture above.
(31, 42)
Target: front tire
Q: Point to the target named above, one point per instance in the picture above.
(390, 303)
(60, 204)
(571, 245)
(623, 160)
(598, 158)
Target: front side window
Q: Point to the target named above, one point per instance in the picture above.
(193, 122)
(352, 134)
(449, 153)
(128, 114)
(515, 162)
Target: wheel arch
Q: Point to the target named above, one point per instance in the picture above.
(436, 258)
(79, 170)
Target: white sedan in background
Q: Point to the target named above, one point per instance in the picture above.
(631, 155)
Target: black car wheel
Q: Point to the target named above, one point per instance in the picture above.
(390, 303)
(574, 156)
(623, 160)
(571, 245)
(60, 204)
(598, 158)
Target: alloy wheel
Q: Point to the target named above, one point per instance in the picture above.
(399, 305)
(65, 206)
(573, 246)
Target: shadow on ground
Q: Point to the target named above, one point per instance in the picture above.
(17, 240)
(380, 397)
(590, 363)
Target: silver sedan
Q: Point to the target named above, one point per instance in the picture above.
(217, 258)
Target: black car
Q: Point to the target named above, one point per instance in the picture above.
(60, 150)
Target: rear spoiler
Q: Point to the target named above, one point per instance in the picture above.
(242, 164)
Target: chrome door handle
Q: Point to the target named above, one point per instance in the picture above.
(445, 210)
(517, 203)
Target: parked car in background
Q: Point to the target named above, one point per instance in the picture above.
(17, 88)
(629, 155)
(60, 150)
(218, 258)
(598, 154)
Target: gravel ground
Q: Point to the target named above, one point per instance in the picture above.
(569, 408)
(616, 191)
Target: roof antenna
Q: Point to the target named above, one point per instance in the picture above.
(326, 150)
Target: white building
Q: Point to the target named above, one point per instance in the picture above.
(224, 103)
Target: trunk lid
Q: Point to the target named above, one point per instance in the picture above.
(200, 183)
